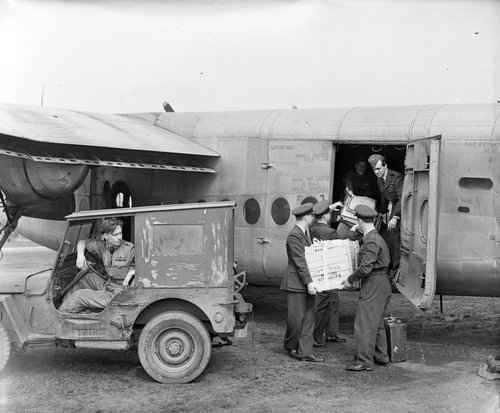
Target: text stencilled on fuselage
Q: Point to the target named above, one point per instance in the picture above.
(309, 184)
(317, 153)
(312, 157)
(281, 147)
(462, 200)
(482, 146)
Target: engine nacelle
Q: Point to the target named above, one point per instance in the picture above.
(25, 182)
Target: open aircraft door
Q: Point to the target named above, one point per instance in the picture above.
(419, 222)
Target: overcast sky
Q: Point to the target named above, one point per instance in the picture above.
(130, 56)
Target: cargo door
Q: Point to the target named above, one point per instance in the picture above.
(297, 172)
(419, 222)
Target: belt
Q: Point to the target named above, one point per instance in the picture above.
(379, 271)
(115, 280)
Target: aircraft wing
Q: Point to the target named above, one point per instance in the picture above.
(73, 137)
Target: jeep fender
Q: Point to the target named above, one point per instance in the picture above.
(13, 320)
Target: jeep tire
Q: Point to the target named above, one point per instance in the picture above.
(4, 347)
(174, 347)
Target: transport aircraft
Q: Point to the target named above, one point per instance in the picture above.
(54, 162)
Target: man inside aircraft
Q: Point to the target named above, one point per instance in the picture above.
(360, 181)
(390, 185)
(95, 291)
(299, 290)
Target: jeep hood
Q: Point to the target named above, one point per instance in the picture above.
(13, 281)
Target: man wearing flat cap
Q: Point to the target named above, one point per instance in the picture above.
(374, 295)
(299, 290)
(327, 302)
(390, 185)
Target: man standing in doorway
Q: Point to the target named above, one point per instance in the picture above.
(390, 184)
(299, 290)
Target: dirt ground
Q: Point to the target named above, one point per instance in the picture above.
(255, 375)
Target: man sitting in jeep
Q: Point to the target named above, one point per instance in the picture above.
(94, 291)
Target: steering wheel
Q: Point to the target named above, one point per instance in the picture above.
(96, 265)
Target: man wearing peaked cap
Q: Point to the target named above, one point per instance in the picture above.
(365, 212)
(299, 290)
(321, 207)
(303, 209)
(390, 185)
(374, 159)
(374, 295)
(327, 302)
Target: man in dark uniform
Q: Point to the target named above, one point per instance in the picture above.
(327, 302)
(390, 184)
(118, 256)
(374, 295)
(360, 181)
(299, 290)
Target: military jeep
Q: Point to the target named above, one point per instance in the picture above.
(183, 297)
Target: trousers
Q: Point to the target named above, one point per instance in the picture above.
(300, 322)
(369, 331)
(393, 240)
(327, 315)
(88, 299)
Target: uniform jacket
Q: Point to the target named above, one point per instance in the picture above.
(325, 232)
(322, 232)
(297, 274)
(373, 256)
(361, 185)
(391, 191)
(118, 262)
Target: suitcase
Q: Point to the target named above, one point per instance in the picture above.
(396, 339)
(347, 215)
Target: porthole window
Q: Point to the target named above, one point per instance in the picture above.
(120, 195)
(484, 184)
(310, 199)
(251, 211)
(280, 211)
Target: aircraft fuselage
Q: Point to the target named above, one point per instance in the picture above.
(272, 161)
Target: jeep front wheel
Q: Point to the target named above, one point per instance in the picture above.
(174, 347)
(4, 347)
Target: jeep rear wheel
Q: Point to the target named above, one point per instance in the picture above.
(174, 347)
(4, 347)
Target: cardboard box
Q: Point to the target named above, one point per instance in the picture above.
(331, 262)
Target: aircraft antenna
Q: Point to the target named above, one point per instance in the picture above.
(167, 107)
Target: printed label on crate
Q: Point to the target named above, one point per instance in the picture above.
(331, 262)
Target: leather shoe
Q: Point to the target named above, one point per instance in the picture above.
(293, 354)
(335, 339)
(317, 344)
(381, 363)
(313, 358)
(357, 367)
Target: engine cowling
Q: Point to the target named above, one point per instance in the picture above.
(25, 182)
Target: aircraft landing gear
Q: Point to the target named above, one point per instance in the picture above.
(11, 223)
